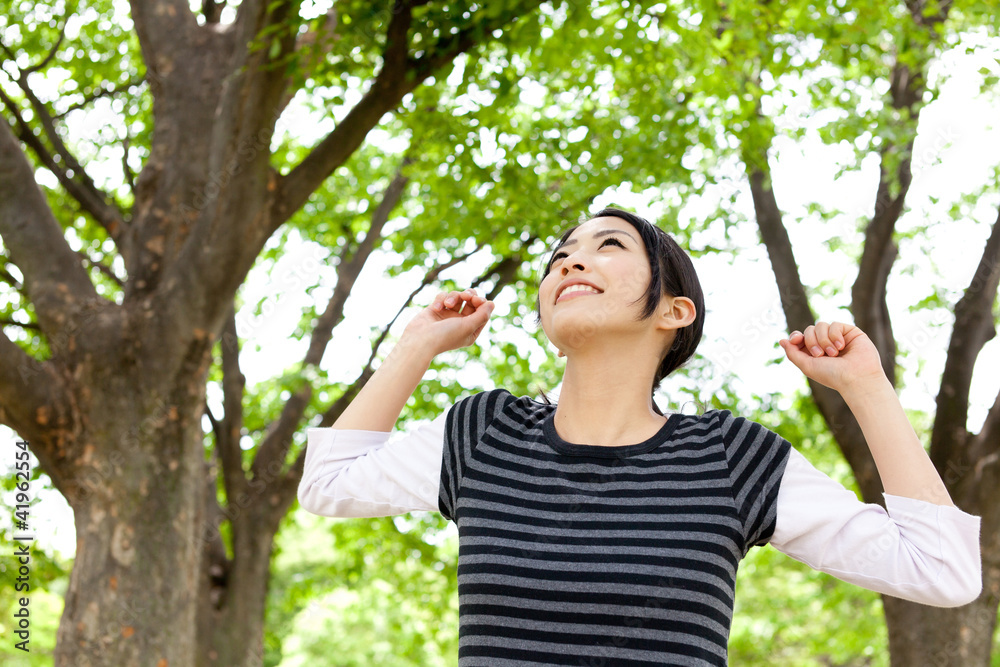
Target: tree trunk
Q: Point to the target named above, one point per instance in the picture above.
(233, 593)
(232, 632)
(114, 415)
(934, 637)
(960, 637)
(137, 499)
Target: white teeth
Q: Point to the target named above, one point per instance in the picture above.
(579, 288)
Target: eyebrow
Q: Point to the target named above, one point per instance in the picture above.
(597, 235)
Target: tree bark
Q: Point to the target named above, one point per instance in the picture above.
(136, 494)
(959, 637)
(963, 636)
(231, 631)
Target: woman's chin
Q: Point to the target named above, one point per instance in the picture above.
(571, 333)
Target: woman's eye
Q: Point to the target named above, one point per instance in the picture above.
(608, 241)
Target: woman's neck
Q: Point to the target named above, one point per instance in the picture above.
(605, 399)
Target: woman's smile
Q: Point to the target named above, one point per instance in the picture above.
(576, 287)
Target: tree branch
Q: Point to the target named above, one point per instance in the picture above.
(230, 211)
(51, 54)
(215, 562)
(164, 28)
(799, 315)
(331, 414)
(504, 270)
(794, 300)
(347, 274)
(100, 267)
(7, 321)
(212, 10)
(868, 294)
(311, 47)
(9, 278)
(974, 327)
(231, 426)
(55, 280)
(987, 442)
(389, 87)
(398, 76)
(61, 163)
(290, 481)
(276, 444)
(126, 169)
(102, 91)
(35, 403)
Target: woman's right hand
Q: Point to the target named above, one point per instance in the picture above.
(451, 321)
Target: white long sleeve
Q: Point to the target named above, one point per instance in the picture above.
(918, 551)
(351, 473)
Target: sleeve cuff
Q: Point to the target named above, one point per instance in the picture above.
(913, 509)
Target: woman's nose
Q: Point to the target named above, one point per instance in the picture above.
(574, 260)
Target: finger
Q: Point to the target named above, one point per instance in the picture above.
(456, 300)
(444, 300)
(811, 341)
(823, 339)
(798, 356)
(472, 299)
(471, 307)
(795, 338)
(837, 330)
(488, 309)
(469, 296)
(439, 299)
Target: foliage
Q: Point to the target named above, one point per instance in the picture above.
(370, 591)
(47, 581)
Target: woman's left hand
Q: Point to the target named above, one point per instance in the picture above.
(837, 355)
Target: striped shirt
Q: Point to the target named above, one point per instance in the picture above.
(538, 512)
(589, 555)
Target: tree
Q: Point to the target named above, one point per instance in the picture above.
(107, 378)
(966, 461)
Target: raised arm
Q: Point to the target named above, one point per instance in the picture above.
(922, 549)
(353, 469)
(841, 356)
(452, 320)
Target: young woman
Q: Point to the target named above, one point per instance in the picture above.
(600, 531)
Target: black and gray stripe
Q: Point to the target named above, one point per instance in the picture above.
(586, 555)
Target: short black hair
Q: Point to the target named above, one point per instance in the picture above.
(672, 273)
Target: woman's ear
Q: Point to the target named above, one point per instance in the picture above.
(676, 312)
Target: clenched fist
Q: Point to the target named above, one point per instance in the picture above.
(451, 321)
(837, 355)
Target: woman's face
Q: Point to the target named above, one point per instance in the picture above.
(596, 284)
